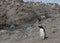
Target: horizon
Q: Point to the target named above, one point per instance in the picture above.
(45, 1)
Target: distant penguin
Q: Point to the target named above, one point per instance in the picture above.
(42, 32)
(39, 19)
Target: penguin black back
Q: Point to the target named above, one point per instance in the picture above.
(41, 27)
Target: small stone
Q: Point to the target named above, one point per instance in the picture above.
(3, 31)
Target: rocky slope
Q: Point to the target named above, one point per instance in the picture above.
(20, 23)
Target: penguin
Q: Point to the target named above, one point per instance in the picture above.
(42, 32)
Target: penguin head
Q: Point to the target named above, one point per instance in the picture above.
(40, 26)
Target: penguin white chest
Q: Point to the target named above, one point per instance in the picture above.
(42, 33)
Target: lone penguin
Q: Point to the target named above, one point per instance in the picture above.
(42, 32)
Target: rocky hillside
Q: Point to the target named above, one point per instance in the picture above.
(6, 7)
(19, 20)
(17, 11)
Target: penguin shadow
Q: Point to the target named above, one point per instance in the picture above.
(46, 38)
